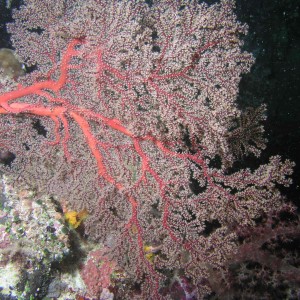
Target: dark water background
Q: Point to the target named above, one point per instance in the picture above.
(274, 39)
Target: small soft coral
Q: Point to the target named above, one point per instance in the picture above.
(97, 273)
(10, 64)
(75, 218)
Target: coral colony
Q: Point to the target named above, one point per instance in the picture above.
(129, 116)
